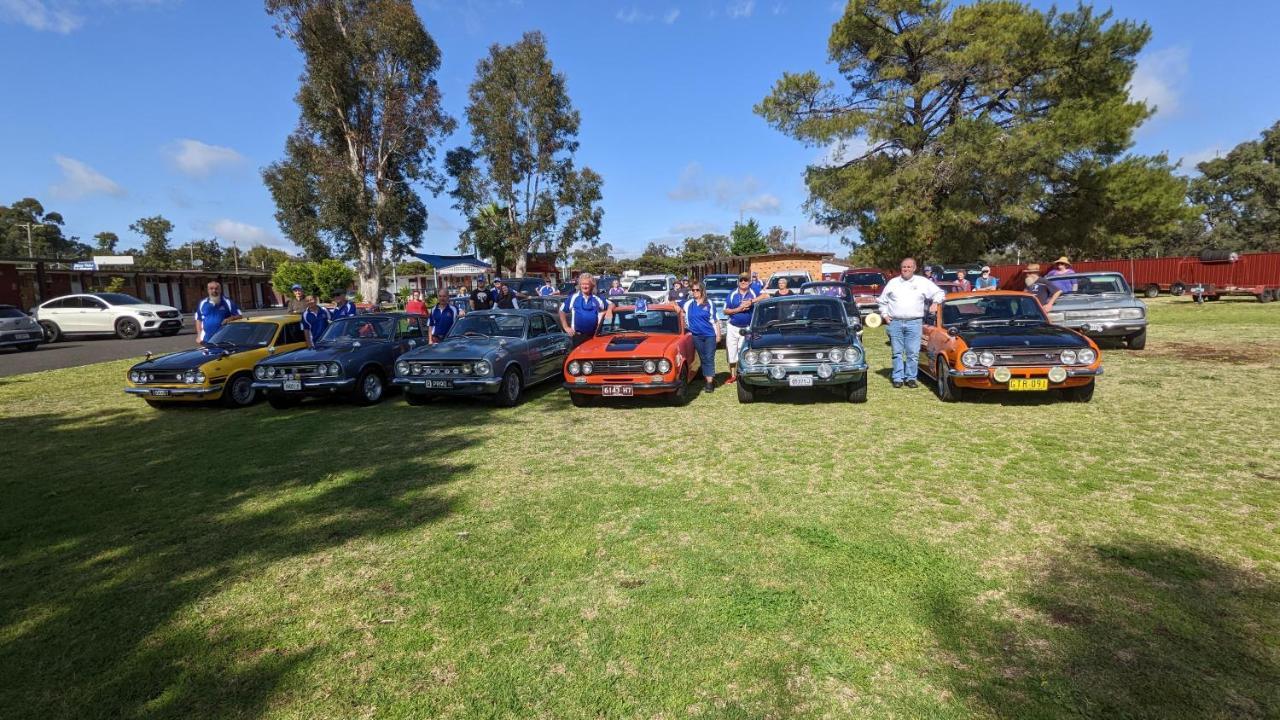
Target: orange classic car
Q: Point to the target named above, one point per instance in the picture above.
(999, 340)
(639, 351)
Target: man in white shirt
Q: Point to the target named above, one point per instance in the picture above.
(902, 305)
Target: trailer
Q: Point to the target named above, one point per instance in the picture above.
(1216, 273)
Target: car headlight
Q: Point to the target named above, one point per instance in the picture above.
(664, 366)
(752, 357)
(587, 367)
(484, 368)
(271, 371)
(189, 377)
(200, 378)
(1086, 356)
(1057, 374)
(260, 372)
(402, 368)
(335, 369)
(146, 313)
(1131, 313)
(836, 355)
(1068, 357)
(134, 376)
(987, 358)
(650, 367)
(969, 358)
(418, 369)
(853, 356)
(824, 371)
(766, 357)
(1056, 317)
(575, 368)
(1002, 375)
(467, 368)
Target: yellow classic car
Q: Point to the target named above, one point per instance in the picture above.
(221, 369)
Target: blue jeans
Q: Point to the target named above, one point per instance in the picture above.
(904, 335)
(706, 347)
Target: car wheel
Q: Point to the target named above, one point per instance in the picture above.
(239, 392)
(28, 347)
(369, 388)
(509, 391)
(282, 402)
(1137, 341)
(745, 394)
(580, 399)
(1152, 291)
(1081, 394)
(947, 390)
(52, 333)
(128, 329)
(1266, 296)
(856, 391)
(1177, 289)
(418, 399)
(680, 397)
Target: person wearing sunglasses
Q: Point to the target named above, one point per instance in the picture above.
(700, 321)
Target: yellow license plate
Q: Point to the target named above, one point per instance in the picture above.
(1029, 384)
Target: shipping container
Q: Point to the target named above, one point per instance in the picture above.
(1249, 274)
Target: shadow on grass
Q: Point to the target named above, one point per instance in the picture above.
(115, 527)
(1126, 630)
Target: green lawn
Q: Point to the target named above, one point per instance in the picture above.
(1005, 557)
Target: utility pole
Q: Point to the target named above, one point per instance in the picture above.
(235, 255)
(192, 252)
(30, 252)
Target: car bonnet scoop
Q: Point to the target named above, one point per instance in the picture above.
(624, 343)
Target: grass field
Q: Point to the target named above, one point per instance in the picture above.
(1005, 557)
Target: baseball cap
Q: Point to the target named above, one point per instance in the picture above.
(986, 268)
(296, 286)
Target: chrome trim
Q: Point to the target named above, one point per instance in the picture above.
(174, 391)
(308, 383)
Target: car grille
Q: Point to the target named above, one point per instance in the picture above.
(618, 366)
(296, 371)
(163, 377)
(436, 368)
(799, 356)
(168, 314)
(1091, 315)
(1024, 357)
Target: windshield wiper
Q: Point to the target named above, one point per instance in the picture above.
(473, 333)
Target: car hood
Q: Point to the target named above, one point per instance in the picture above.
(145, 306)
(320, 354)
(798, 338)
(623, 346)
(1046, 336)
(19, 323)
(463, 349)
(1095, 302)
(187, 359)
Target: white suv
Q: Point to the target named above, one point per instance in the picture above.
(795, 278)
(654, 287)
(124, 316)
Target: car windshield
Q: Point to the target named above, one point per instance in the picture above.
(359, 328)
(651, 321)
(244, 334)
(720, 284)
(993, 310)
(804, 315)
(649, 285)
(835, 291)
(864, 278)
(119, 299)
(489, 326)
(11, 313)
(793, 281)
(1099, 285)
(954, 275)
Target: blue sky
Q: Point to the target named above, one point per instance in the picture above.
(117, 109)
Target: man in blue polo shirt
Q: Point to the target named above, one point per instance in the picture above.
(738, 307)
(583, 311)
(442, 317)
(756, 286)
(342, 307)
(547, 288)
(213, 311)
(315, 320)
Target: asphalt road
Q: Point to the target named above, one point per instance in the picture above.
(89, 349)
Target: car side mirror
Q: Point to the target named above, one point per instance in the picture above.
(413, 343)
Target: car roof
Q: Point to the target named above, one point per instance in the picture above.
(985, 293)
(728, 275)
(797, 298)
(841, 283)
(1086, 273)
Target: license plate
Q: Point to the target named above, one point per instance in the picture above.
(617, 391)
(159, 393)
(292, 385)
(20, 336)
(442, 384)
(800, 381)
(1029, 384)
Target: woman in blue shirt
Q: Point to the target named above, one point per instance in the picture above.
(700, 321)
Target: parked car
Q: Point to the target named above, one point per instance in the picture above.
(636, 353)
(220, 370)
(719, 287)
(795, 279)
(1102, 305)
(654, 287)
(546, 303)
(523, 285)
(491, 352)
(124, 316)
(802, 341)
(354, 358)
(840, 291)
(626, 299)
(866, 284)
(1002, 340)
(19, 330)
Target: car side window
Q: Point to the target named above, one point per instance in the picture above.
(537, 326)
(409, 329)
(93, 303)
(62, 304)
(292, 333)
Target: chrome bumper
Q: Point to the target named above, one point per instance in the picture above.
(986, 372)
(1104, 328)
(168, 392)
(759, 374)
(307, 384)
(461, 386)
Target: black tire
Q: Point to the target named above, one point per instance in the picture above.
(238, 391)
(681, 396)
(1152, 291)
(509, 391)
(580, 399)
(28, 347)
(52, 333)
(1082, 394)
(1137, 341)
(856, 391)
(418, 399)
(745, 394)
(1266, 296)
(128, 329)
(369, 388)
(947, 390)
(1177, 289)
(282, 402)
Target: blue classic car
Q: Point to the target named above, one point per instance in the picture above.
(355, 357)
(802, 341)
(488, 352)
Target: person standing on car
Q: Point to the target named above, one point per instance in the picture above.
(504, 299)
(315, 320)
(700, 321)
(902, 306)
(342, 307)
(443, 316)
(986, 281)
(1043, 291)
(297, 303)
(213, 311)
(738, 307)
(584, 311)
(547, 287)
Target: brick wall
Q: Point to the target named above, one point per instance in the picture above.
(767, 266)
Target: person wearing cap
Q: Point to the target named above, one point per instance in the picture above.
(756, 286)
(503, 298)
(902, 305)
(297, 303)
(342, 307)
(547, 288)
(443, 316)
(738, 307)
(986, 281)
(315, 320)
(678, 293)
(584, 311)
(1061, 266)
(700, 321)
(1043, 291)
(415, 305)
(213, 311)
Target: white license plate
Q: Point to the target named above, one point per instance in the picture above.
(800, 381)
(442, 384)
(20, 336)
(617, 391)
(292, 385)
(159, 393)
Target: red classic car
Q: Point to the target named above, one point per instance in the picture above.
(638, 352)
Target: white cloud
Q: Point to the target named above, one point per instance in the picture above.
(632, 15)
(671, 16)
(813, 230)
(694, 229)
(1158, 79)
(245, 235)
(198, 159)
(765, 204)
(842, 151)
(40, 15)
(1189, 161)
(79, 180)
(732, 190)
(741, 9)
(690, 186)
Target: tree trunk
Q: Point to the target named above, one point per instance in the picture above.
(369, 275)
(522, 261)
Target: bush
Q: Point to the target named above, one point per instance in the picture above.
(316, 278)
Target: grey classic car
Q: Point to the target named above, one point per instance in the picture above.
(355, 358)
(488, 352)
(802, 341)
(1101, 305)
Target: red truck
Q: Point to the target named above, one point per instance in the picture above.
(865, 285)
